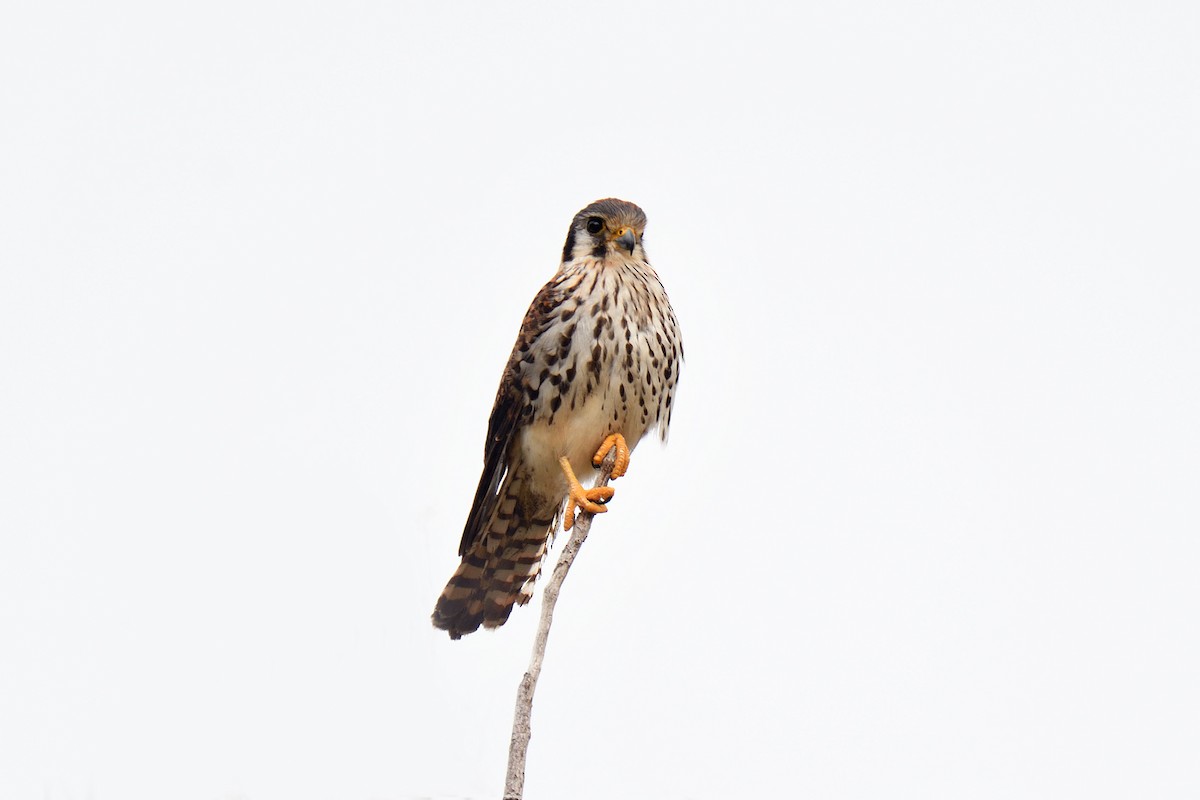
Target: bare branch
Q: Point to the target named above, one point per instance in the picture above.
(514, 783)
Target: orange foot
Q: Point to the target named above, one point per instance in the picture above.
(590, 500)
(622, 463)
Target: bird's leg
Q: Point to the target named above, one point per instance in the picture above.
(622, 463)
(591, 500)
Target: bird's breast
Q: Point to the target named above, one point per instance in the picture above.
(606, 362)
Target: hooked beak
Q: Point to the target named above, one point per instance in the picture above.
(627, 240)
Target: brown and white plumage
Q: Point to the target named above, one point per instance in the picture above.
(598, 353)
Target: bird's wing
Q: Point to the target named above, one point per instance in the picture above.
(513, 409)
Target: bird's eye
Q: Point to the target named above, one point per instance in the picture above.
(595, 225)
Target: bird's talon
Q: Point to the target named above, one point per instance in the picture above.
(600, 495)
(593, 501)
(621, 463)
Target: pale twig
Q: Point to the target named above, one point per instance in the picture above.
(514, 783)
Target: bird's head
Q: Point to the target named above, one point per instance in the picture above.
(606, 228)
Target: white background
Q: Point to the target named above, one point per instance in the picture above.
(927, 525)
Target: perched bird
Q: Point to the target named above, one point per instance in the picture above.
(595, 367)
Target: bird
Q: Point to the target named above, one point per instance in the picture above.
(595, 367)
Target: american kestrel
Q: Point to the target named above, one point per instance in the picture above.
(595, 367)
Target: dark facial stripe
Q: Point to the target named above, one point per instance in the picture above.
(569, 247)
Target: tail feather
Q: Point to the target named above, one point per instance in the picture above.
(498, 571)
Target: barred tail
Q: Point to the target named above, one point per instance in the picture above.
(498, 571)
